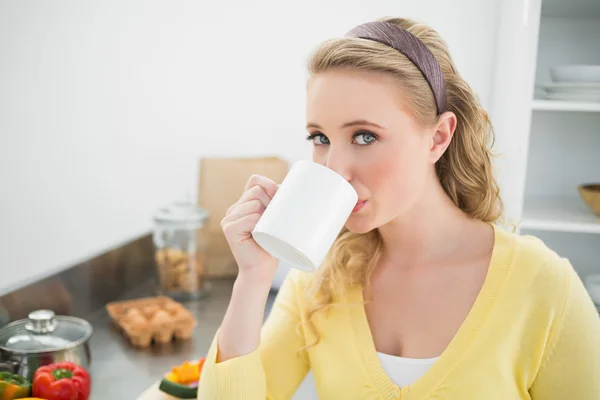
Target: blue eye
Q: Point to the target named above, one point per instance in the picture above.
(364, 138)
(318, 138)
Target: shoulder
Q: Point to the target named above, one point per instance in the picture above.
(535, 276)
(530, 257)
(297, 285)
(310, 291)
(542, 289)
(537, 273)
(299, 279)
(560, 309)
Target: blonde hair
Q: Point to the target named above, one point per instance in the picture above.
(464, 171)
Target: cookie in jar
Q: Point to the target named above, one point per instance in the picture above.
(180, 250)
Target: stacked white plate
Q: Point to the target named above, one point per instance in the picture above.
(574, 83)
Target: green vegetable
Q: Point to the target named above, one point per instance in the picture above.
(13, 386)
(179, 390)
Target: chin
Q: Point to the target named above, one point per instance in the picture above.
(359, 224)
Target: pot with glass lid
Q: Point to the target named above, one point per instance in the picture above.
(44, 338)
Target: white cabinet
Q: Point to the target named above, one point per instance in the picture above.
(548, 147)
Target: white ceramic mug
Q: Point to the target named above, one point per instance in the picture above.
(306, 215)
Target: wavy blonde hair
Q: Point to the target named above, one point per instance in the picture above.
(464, 171)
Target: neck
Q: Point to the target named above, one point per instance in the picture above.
(427, 232)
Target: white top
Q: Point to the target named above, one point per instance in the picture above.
(404, 371)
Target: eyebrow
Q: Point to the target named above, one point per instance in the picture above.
(362, 122)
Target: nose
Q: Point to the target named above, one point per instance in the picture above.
(339, 162)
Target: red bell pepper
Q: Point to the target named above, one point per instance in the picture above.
(61, 381)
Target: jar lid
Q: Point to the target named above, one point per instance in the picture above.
(43, 331)
(181, 212)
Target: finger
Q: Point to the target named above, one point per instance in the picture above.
(231, 207)
(258, 180)
(254, 193)
(241, 226)
(249, 207)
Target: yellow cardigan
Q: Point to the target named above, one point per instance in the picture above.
(533, 333)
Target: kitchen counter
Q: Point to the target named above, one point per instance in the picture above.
(121, 372)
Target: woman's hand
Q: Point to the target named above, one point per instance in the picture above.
(241, 218)
(240, 331)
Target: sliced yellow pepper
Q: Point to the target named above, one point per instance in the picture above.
(185, 373)
(171, 377)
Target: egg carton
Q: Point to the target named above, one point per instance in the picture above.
(152, 320)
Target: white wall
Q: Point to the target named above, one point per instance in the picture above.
(516, 49)
(105, 107)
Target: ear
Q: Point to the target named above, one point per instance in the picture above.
(444, 131)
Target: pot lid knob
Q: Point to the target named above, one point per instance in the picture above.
(41, 321)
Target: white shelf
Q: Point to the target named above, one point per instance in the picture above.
(563, 214)
(571, 8)
(556, 105)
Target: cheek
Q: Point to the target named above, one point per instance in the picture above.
(376, 170)
(319, 155)
(396, 174)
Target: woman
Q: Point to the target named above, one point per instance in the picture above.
(421, 296)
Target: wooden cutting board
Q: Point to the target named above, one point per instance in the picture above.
(152, 393)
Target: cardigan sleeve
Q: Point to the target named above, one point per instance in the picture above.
(276, 368)
(571, 366)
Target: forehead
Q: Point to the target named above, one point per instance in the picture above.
(351, 94)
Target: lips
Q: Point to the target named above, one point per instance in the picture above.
(360, 204)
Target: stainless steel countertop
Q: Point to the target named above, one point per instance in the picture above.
(121, 372)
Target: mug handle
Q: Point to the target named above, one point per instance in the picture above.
(9, 366)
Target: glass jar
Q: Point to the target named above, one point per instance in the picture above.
(180, 240)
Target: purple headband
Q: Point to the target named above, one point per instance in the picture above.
(408, 44)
